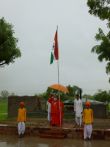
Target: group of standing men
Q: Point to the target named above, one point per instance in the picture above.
(55, 115)
(83, 116)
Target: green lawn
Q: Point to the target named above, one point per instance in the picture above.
(3, 109)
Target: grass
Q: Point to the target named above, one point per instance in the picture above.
(3, 109)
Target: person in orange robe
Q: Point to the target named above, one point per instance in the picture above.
(56, 112)
(21, 119)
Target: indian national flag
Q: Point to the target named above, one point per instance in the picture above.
(55, 50)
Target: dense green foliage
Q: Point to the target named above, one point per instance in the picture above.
(103, 50)
(102, 96)
(101, 9)
(73, 90)
(8, 44)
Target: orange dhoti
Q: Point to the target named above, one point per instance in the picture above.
(60, 113)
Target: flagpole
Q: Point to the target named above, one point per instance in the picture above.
(58, 77)
(59, 92)
(58, 61)
(58, 72)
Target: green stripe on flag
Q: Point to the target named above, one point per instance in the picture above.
(51, 58)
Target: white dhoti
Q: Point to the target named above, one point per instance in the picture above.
(21, 128)
(49, 111)
(87, 131)
(78, 108)
(78, 119)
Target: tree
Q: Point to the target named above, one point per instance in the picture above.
(102, 96)
(101, 9)
(4, 94)
(88, 96)
(73, 90)
(77, 90)
(8, 44)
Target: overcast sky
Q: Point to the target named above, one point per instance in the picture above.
(35, 24)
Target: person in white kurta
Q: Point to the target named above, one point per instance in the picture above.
(78, 109)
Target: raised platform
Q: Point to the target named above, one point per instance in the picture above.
(55, 132)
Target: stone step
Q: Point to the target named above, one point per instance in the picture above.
(54, 133)
(57, 136)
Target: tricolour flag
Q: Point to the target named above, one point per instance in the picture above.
(55, 50)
